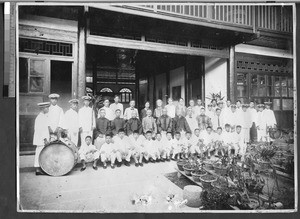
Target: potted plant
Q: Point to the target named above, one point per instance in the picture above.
(181, 163)
(266, 154)
(222, 167)
(214, 199)
(190, 166)
(207, 179)
(198, 172)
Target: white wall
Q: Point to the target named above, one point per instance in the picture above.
(215, 76)
(177, 79)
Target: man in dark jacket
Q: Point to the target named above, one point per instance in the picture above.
(203, 120)
(103, 127)
(164, 122)
(180, 124)
(134, 124)
(118, 123)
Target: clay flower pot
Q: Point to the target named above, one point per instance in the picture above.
(180, 164)
(219, 169)
(188, 169)
(206, 180)
(196, 174)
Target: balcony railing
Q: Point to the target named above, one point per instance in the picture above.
(269, 18)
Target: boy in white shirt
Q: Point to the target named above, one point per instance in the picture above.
(136, 142)
(238, 141)
(227, 134)
(151, 151)
(122, 143)
(108, 152)
(188, 141)
(218, 135)
(168, 145)
(88, 153)
(177, 145)
(196, 142)
(159, 143)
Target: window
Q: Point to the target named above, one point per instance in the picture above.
(31, 75)
(125, 95)
(106, 90)
(266, 87)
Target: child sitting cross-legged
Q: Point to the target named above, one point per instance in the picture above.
(187, 145)
(124, 150)
(136, 141)
(160, 144)
(177, 146)
(88, 153)
(108, 152)
(151, 151)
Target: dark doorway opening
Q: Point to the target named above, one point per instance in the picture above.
(61, 81)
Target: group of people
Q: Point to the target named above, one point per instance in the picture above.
(115, 135)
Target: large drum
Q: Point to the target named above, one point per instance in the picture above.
(58, 158)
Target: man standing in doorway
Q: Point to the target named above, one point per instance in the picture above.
(72, 121)
(41, 133)
(117, 106)
(56, 116)
(253, 121)
(86, 117)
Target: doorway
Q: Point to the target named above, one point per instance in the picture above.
(61, 81)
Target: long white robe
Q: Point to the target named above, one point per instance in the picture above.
(72, 125)
(87, 121)
(269, 117)
(128, 113)
(261, 127)
(56, 117)
(171, 110)
(192, 121)
(41, 132)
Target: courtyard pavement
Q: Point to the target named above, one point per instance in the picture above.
(104, 190)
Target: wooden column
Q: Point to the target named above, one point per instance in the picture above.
(168, 82)
(95, 76)
(82, 30)
(1, 49)
(231, 77)
(186, 81)
(12, 58)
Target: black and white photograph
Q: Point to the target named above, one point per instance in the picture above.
(154, 107)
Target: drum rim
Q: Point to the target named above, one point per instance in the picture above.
(51, 143)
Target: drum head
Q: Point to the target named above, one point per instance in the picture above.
(57, 159)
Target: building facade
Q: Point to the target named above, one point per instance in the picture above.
(146, 52)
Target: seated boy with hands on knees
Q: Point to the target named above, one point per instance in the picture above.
(177, 146)
(108, 152)
(187, 145)
(160, 144)
(88, 153)
(124, 150)
(151, 151)
(136, 142)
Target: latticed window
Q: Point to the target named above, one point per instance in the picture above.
(31, 75)
(125, 95)
(106, 90)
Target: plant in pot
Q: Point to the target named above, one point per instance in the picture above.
(266, 154)
(190, 166)
(214, 199)
(199, 171)
(207, 180)
(221, 168)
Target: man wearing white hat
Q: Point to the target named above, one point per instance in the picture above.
(72, 121)
(269, 116)
(56, 116)
(87, 121)
(41, 133)
(261, 124)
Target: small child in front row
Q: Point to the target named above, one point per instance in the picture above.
(168, 145)
(108, 152)
(159, 143)
(187, 145)
(88, 153)
(124, 151)
(151, 151)
(136, 142)
(177, 146)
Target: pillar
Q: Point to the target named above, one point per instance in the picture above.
(231, 75)
(82, 30)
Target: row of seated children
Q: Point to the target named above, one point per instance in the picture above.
(121, 148)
